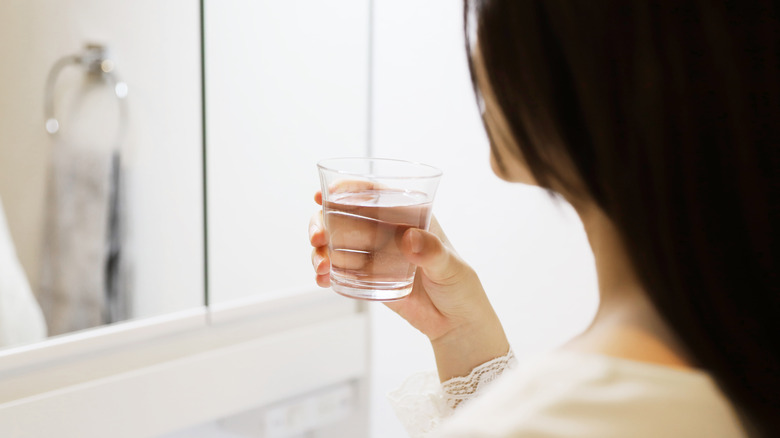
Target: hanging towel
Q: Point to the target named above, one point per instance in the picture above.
(117, 303)
(21, 320)
(82, 241)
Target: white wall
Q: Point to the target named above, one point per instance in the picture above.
(156, 47)
(530, 252)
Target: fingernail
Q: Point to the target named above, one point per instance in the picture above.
(322, 268)
(416, 241)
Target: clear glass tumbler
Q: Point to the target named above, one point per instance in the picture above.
(367, 205)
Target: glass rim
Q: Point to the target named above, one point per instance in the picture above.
(323, 165)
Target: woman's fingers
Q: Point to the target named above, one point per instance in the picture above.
(319, 260)
(350, 260)
(323, 280)
(317, 235)
(351, 186)
(321, 264)
(319, 240)
(353, 244)
(351, 231)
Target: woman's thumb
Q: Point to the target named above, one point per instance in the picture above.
(427, 251)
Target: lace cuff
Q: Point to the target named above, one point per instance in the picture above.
(459, 389)
(422, 403)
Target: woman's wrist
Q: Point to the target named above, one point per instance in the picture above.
(469, 345)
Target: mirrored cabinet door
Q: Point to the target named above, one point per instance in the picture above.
(286, 86)
(100, 164)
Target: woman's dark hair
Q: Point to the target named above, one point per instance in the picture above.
(670, 114)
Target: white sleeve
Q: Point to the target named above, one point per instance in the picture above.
(421, 403)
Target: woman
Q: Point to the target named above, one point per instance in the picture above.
(660, 123)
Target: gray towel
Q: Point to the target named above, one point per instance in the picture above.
(80, 265)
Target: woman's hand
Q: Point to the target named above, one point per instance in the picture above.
(447, 302)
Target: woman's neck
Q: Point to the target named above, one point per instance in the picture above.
(626, 324)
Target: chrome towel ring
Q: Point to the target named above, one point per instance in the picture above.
(97, 63)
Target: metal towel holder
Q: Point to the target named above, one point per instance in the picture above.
(95, 59)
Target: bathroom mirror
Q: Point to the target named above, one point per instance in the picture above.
(287, 84)
(101, 164)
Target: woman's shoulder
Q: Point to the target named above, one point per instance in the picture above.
(566, 393)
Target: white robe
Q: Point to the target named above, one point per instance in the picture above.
(21, 319)
(564, 394)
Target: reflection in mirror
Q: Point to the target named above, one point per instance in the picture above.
(100, 164)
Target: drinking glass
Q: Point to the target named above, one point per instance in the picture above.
(367, 206)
